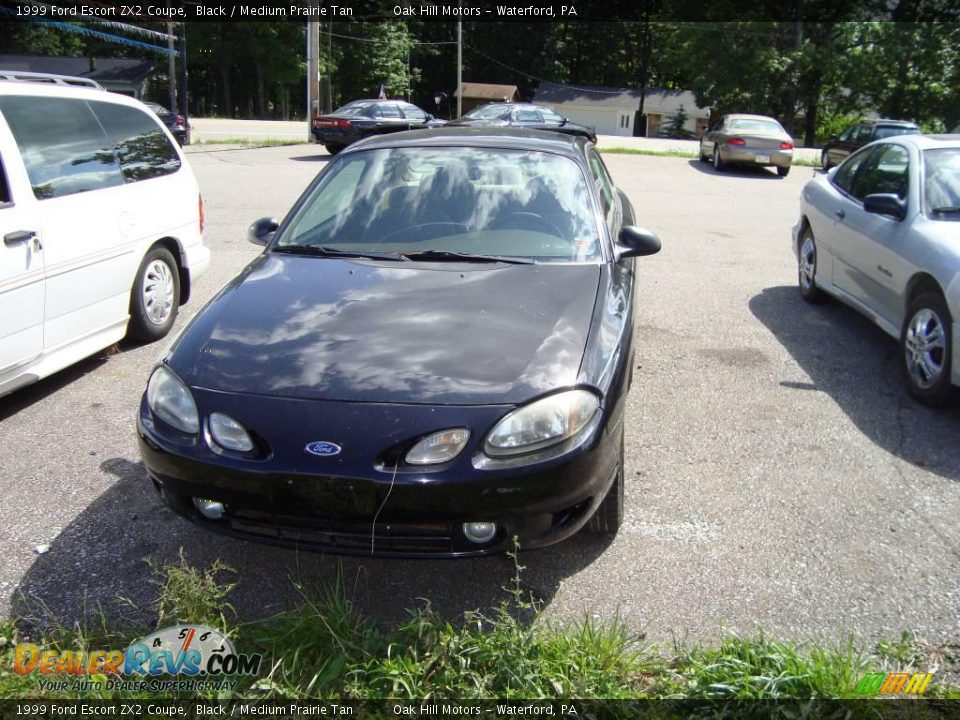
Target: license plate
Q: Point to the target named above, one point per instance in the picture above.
(763, 158)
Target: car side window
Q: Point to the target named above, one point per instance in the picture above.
(848, 133)
(412, 112)
(602, 182)
(140, 144)
(863, 133)
(847, 172)
(373, 111)
(6, 198)
(887, 170)
(390, 110)
(68, 152)
(529, 115)
(551, 117)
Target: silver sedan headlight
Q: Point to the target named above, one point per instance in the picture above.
(171, 401)
(542, 423)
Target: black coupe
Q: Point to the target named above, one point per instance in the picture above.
(362, 118)
(431, 356)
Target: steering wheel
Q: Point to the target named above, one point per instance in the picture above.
(527, 221)
(425, 231)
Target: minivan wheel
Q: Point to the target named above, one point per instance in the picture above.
(609, 516)
(925, 343)
(155, 299)
(807, 268)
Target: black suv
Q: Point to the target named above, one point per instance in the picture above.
(856, 136)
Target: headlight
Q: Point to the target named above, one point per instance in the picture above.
(229, 434)
(171, 401)
(542, 423)
(439, 447)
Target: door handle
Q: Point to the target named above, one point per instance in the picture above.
(840, 214)
(19, 236)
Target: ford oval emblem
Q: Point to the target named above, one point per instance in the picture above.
(323, 448)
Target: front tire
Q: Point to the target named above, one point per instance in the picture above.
(155, 298)
(717, 160)
(825, 161)
(609, 516)
(703, 156)
(807, 269)
(926, 349)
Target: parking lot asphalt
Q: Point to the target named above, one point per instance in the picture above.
(778, 475)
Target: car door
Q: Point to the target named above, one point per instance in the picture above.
(22, 283)
(392, 119)
(87, 246)
(711, 136)
(874, 269)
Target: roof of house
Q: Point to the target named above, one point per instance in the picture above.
(103, 70)
(488, 91)
(659, 100)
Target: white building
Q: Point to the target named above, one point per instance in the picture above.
(614, 111)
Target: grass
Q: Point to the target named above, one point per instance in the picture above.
(325, 648)
(247, 143)
(684, 154)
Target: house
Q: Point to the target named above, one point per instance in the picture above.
(477, 94)
(127, 76)
(615, 111)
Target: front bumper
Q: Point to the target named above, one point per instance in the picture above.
(410, 513)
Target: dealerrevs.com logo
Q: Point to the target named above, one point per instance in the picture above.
(184, 657)
(893, 683)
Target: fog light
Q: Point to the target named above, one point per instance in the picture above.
(212, 509)
(479, 532)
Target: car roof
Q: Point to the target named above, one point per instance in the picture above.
(61, 91)
(509, 138)
(882, 121)
(747, 116)
(926, 142)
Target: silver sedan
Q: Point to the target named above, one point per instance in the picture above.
(881, 232)
(747, 140)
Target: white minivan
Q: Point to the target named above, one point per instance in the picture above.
(101, 223)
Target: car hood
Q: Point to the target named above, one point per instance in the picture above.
(368, 331)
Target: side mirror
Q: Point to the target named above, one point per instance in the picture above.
(885, 204)
(636, 242)
(262, 230)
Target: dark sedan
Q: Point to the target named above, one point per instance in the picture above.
(176, 124)
(362, 118)
(431, 356)
(839, 147)
(533, 117)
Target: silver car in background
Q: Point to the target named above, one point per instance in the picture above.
(747, 140)
(881, 232)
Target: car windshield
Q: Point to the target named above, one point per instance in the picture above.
(470, 201)
(354, 108)
(885, 131)
(487, 112)
(765, 126)
(941, 183)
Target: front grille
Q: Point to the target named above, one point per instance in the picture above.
(401, 539)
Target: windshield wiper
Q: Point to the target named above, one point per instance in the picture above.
(327, 251)
(444, 255)
(947, 210)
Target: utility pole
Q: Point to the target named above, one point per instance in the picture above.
(183, 107)
(460, 67)
(328, 86)
(313, 56)
(171, 67)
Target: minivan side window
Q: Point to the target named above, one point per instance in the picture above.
(140, 144)
(5, 197)
(63, 146)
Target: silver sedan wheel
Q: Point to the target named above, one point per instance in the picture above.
(808, 262)
(925, 347)
(158, 292)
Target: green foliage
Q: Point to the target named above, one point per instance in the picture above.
(191, 595)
